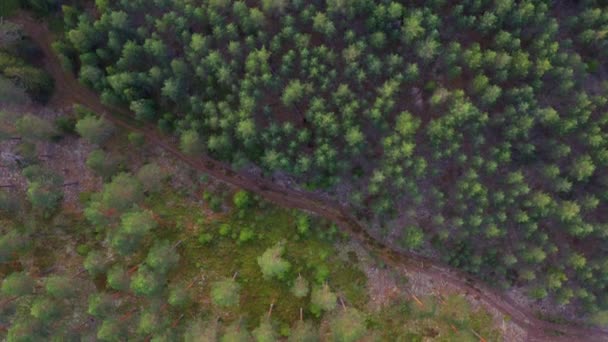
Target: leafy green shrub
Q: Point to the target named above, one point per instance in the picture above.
(37, 83)
(35, 128)
(17, 284)
(413, 237)
(300, 287)
(179, 296)
(95, 130)
(241, 199)
(66, 124)
(225, 293)
(322, 299)
(102, 163)
(137, 139)
(151, 177)
(272, 263)
(246, 235)
(205, 238)
(225, 229)
(348, 325)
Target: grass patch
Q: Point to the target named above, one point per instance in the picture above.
(313, 256)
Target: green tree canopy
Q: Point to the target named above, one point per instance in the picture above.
(44, 196)
(241, 199)
(44, 188)
(304, 331)
(59, 287)
(198, 330)
(294, 92)
(10, 243)
(413, 237)
(45, 309)
(35, 128)
(100, 305)
(95, 130)
(110, 330)
(272, 264)
(348, 325)
(191, 143)
(265, 331)
(117, 278)
(236, 332)
(122, 193)
(151, 176)
(146, 282)
(95, 263)
(582, 168)
(179, 296)
(134, 227)
(225, 293)
(322, 299)
(17, 284)
(162, 257)
(102, 163)
(300, 287)
(322, 24)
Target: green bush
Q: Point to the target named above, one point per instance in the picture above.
(95, 129)
(37, 83)
(66, 124)
(205, 238)
(225, 293)
(137, 139)
(272, 263)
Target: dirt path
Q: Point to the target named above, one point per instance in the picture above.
(70, 91)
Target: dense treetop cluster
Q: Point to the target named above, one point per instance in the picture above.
(476, 125)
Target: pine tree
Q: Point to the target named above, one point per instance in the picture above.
(272, 263)
(225, 293)
(17, 284)
(322, 299)
(300, 287)
(95, 130)
(348, 325)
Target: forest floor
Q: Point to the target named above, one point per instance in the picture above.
(438, 277)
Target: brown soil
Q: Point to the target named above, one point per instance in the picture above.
(69, 91)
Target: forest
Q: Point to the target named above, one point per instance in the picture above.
(478, 125)
(472, 132)
(105, 239)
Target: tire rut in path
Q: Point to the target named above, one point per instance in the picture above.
(69, 91)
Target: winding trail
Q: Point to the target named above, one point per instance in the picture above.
(69, 91)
